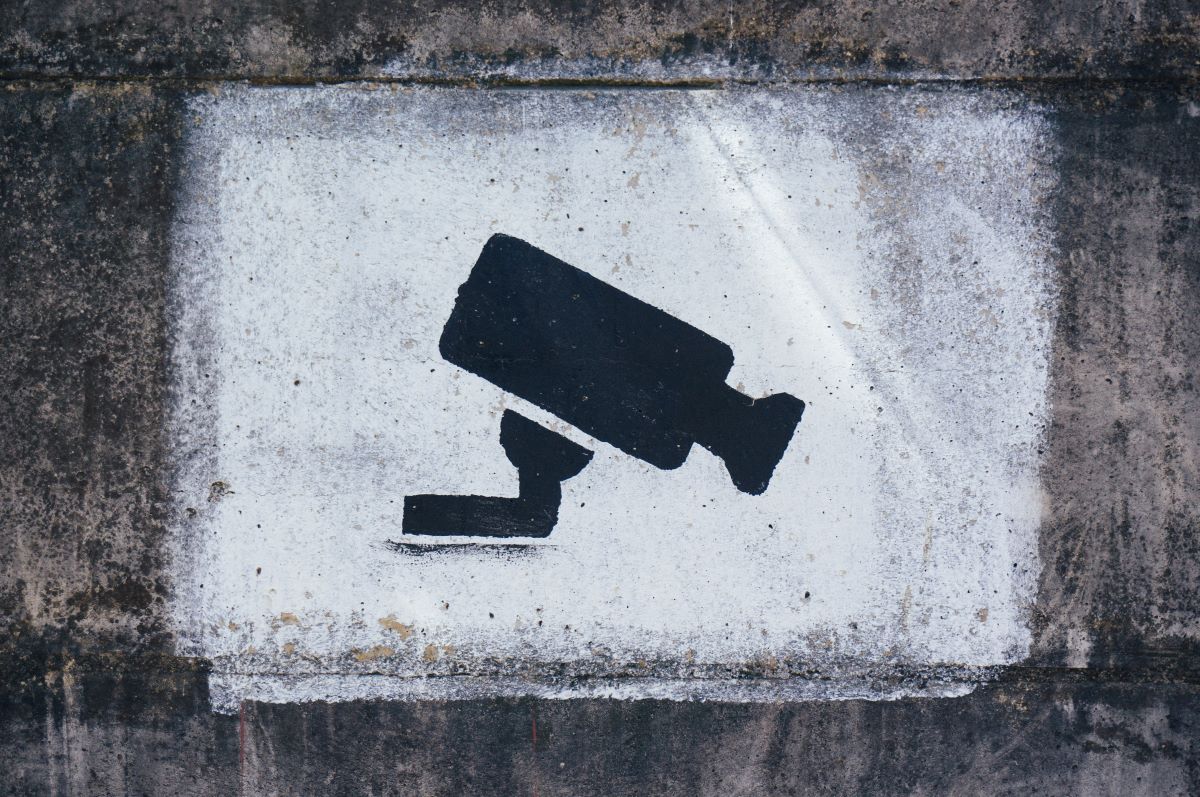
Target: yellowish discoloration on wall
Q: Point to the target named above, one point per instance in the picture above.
(376, 652)
(392, 624)
(432, 652)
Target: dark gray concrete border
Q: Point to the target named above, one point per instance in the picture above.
(632, 39)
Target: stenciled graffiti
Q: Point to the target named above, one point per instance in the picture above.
(615, 367)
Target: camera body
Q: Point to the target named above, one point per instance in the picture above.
(615, 367)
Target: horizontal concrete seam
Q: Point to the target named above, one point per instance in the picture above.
(1176, 81)
(1004, 676)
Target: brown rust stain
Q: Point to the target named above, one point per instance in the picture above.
(392, 624)
(371, 654)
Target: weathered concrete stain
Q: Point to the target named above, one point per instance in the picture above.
(626, 40)
(375, 653)
(403, 630)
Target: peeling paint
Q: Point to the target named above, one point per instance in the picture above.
(375, 653)
(392, 624)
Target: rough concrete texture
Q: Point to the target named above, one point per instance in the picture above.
(86, 201)
(94, 699)
(693, 39)
(1119, 550)
(123, 736)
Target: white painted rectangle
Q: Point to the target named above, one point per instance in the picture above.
(881, 254)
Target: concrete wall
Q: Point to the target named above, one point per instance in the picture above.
(96, 696)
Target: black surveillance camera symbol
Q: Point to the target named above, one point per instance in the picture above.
(613, 366)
